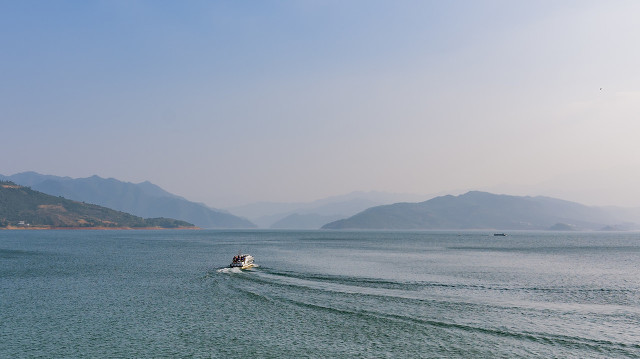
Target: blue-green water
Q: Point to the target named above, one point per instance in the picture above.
(319, 294)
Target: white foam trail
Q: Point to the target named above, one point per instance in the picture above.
(229, 270)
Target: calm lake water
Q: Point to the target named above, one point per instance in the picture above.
(319, 294)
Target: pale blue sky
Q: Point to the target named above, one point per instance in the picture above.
(239, 101)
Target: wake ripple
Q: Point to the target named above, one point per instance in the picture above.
(379, 301)
(543, 338)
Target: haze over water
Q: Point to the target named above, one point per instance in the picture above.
(149, 294)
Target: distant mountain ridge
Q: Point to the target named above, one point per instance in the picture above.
(304, 221)
(22, 207)
(482, 210)
(312, 215)
(143, 199)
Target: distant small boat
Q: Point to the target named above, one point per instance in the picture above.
(242, 261)
(499, 234)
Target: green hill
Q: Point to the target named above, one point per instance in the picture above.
(23, 207)
(480, 210)
(143, 199)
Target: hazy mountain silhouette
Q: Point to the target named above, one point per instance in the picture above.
(312, 215)
(143, 199)
(481, 210)
(304, 221)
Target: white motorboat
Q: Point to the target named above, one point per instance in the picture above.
(242, 261)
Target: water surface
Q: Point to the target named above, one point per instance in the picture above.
(149, 294)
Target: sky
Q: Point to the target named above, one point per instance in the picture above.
(233, 102)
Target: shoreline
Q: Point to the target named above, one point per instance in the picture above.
(42, 228)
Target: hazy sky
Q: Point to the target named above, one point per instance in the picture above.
(229, 102)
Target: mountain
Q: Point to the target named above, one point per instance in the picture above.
(22, 207)
(143, 199)
(481, 210)
(312, 215)
(304, 221)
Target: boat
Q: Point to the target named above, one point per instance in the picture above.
(499, 234)
(242, 261)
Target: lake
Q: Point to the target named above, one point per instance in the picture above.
(319, 294)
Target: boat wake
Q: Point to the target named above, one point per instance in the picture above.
(228, 270)
(382, 303)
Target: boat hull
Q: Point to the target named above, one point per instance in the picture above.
(248, 266)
